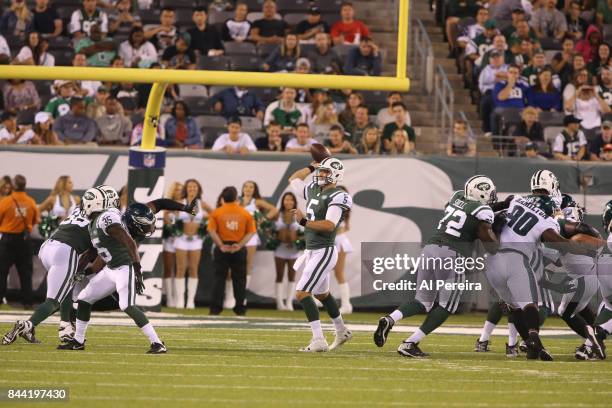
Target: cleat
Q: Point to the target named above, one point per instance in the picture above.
(71, 344)
(157, 348)
(601, 335)
(20, 328)
(596, 348)
(535, 348)
(316, 346)
(382, 331)
(341, 338)
(512, 351)
(522, 346)
(65, 333)
(410, 349)
(29, 336)
(481, 346)
(584, 353)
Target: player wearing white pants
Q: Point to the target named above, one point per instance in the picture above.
(344, 247)
(61, 261)
(315, 267)
(510, 274)
(109, 280)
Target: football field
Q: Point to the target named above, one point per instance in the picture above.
(254, 362)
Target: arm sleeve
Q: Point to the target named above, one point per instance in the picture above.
(299, 187)
(212, 222)
(334, 214)
(558, 144)
(219, 143)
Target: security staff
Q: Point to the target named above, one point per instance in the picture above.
(18, 212)
(230, 226)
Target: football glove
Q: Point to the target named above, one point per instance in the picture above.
(139, 281)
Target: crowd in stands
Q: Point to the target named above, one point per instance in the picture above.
(540, 72)
(304, 37)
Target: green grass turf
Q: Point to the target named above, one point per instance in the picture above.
(262, 368)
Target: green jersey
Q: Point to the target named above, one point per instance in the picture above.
(58, 106)
(458, 229)
(74, 232)
(110, 250)
(318, 201)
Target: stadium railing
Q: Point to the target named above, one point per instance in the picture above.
(444, 100)
(423, 57)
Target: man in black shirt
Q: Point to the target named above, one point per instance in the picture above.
(598, 147)
(204, 38)
(45, 19)
(269, 30)
(273, 141)
(307, 29)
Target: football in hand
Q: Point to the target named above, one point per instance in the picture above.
(591, 242)
(319, 152)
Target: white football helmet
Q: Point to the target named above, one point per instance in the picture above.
(112, 196)
(334, 167)
(480, 188)
(545, 180)
(94, 200)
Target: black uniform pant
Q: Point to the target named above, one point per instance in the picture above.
(15, 250)
(236, 262)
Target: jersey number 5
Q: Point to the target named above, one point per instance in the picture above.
(310, 210)
(454, 219)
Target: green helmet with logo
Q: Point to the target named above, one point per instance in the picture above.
(607, 217)
(547, 204)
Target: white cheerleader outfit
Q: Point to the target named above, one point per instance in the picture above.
(168, 243)
(285, 251)
(194, 242)
(251, 207)
(343, 243)
(58, 209)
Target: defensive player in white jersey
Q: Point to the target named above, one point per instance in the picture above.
(529, 222)
(326, 206)
(60, 256)
(603, 321)
(468, 217)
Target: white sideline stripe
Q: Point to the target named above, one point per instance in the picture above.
(120, 319)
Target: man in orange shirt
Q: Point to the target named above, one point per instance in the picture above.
(18, 212)
(230, 227)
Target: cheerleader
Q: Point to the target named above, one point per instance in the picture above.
(61, 201)
(188, 245)
(344, 246)
(174, 192)
(286, 253)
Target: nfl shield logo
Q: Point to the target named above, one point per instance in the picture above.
(148, 160)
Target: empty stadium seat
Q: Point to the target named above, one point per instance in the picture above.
(63, 57)
(294, 18)
(239, 48)
(264, 50)
(551, 132)
(254, 4)
(184, 17)
(343, 49)
(197, 105)
(245, 63)
(149, 16)
(551, 118)
(219, 63)
(188, 90)
(26, 117)
(506, 117)
(213, 90)
(266, 95)
(330, 6)
(288, 6)
(214, 121)
(210, 134)
(217, 17)
(250, 123)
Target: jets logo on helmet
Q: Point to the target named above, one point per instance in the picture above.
(330, 171)
(545, 180)
(111, 195)
(480, 188)
(94, 200)
(607, 217)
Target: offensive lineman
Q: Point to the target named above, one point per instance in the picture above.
(326, 207)
(604, 273)
(468, 217)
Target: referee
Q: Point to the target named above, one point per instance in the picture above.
(230, 226)
(18, 212)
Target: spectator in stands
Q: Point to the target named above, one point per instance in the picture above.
(136, 52)
(285, 111)
(17, 20)
(59, 105)
(399, 112)
(589, 44)
(113, 127)
(120, 17)
(511, 93)
(324, 119)
(548, 22)
(269, 29)
(84, 88)
(283, 58)
(399, 143)
(457, 10)
(601, 60)
(503, 9)
(588, 106)
(180, 55)
(237, 28)
(538, 64)
(46, 20)
(460, 142)
(499, 45)
(237, 101)
(529, 129)
(9, 134)
(307, 29)
(273, 141)
(97, 107)
(34, 52)
(323, 59)
(518, 58)
(571, 143)
(370, 142)
(348, 30)
(600, 147)
(90, 15)
(474, 30)
(517, 15)
(479, 45)
(543, 95)
(163, 35)
(522, 32)
(563, 60)
(100, 51)
(20, 95)
(385, 115)
(604, 89)
(494, 72)
(75, 127)
(581, 77)
(5, 51)
(347, 116)
(360, 125)
(337, 143)
(576, 25)
(182, 129)
(364, 60)
(604, 12)
(42, 132)
(234, 141)
(302, 141)
(204, 38)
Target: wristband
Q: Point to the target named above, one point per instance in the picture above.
(311, 168)
(303, 222)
